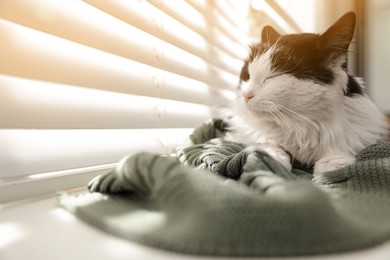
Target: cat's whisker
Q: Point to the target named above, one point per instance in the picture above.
(284, 121)
(302, 117)
(297, 116)
(287, 121)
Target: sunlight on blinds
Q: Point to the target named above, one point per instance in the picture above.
(44, 48)
(198, 22)
(26, 152)
(264, 6)
(84, 83)
(216, 17)
(149, 18)
(34, 104)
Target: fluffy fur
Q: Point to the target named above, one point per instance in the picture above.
(298, 101)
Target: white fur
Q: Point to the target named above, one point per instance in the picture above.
(316, 123)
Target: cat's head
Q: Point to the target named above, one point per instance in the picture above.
(300, 72)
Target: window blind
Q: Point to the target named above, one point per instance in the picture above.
(83, 83)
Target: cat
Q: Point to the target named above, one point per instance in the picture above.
(298, 101)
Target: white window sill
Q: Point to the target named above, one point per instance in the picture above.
(39, 229)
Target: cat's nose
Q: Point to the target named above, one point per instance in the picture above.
(247, 96)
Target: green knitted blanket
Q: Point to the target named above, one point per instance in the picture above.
(221, 199)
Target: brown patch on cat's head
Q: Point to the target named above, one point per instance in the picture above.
(255, 51)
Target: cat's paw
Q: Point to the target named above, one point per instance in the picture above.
(278, 154)
(327, 164)
(112, 181)
(108, 183)
(133, 175)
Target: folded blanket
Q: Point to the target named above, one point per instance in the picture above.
(222, 199)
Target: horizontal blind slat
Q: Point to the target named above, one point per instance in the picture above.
(22, 151)
(42, 184)
(148, 18)
(28, 53)
(39, 105)
(90, 26)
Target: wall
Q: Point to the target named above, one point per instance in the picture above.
(378, 52)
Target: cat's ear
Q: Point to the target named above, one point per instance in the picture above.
(269, 35)
(338, 37)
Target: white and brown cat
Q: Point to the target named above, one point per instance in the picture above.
(297, 99)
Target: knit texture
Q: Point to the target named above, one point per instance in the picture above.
(221, 199)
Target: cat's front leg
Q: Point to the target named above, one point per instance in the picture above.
(277, 153)
(332, 162)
